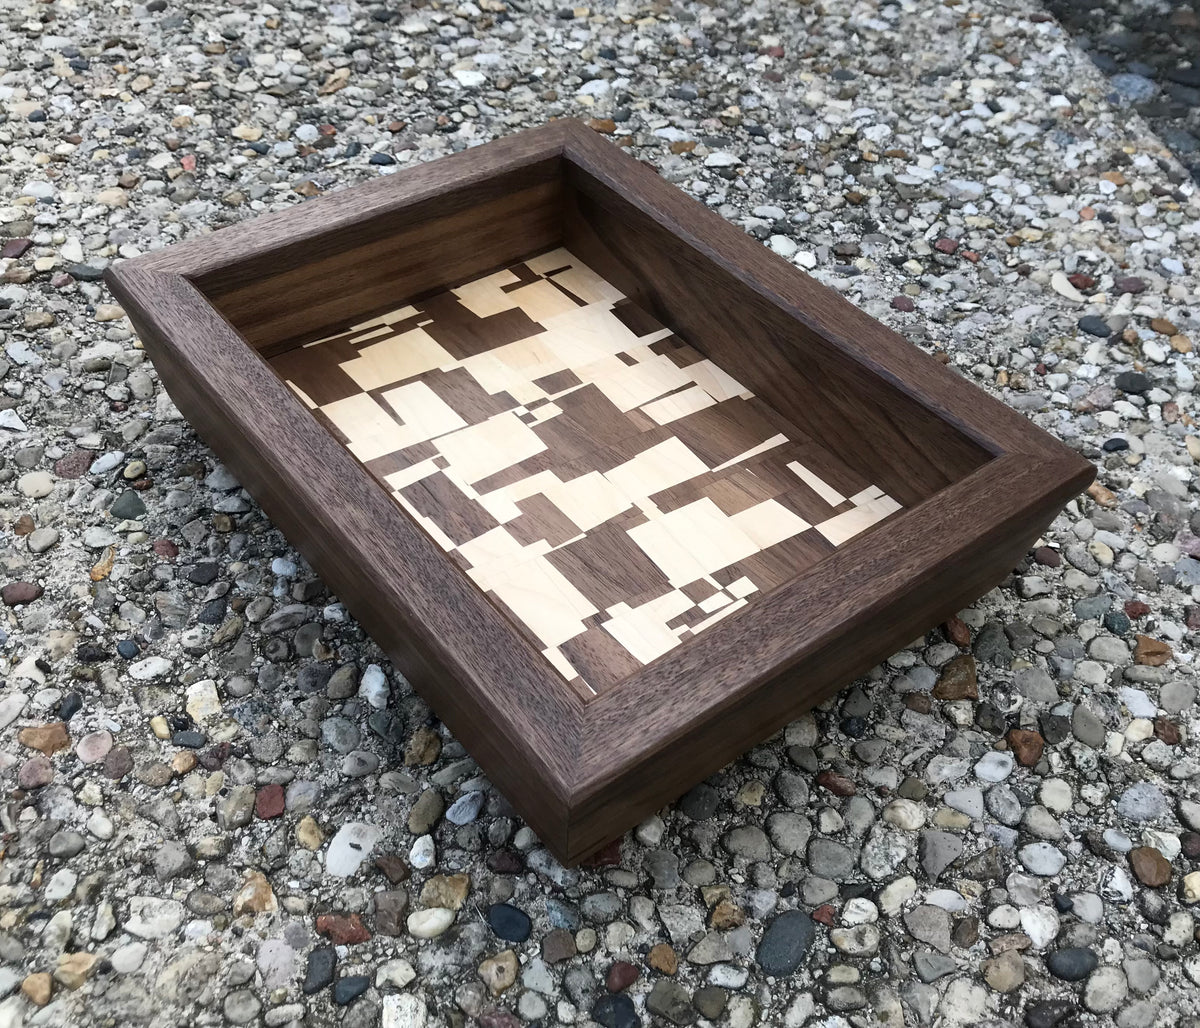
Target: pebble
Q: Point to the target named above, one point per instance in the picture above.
(785, 943)
(508, 922)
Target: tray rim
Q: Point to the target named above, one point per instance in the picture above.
(561, 751)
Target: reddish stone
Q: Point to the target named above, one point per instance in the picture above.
(1081, 281)
(903, 303)
(1129, 284)
(771, 51)
(1026, 745)
(1136, 609)
(1191, 618)
(620, 976)
(188, 162)
(15, 248)
(970, 255)
(166, 548)
(609, 856)
(20, 592)
(825, 914)
(1150, 866)
(957, 631)
(342, 929)
(23, 525)
(958, 680)
(73, 465)
(118, 763)
(395, 869)
(946, 245)
(1151, 652)
(497, 1017)
(1047, 556)
(269, 802)
(837, 784)
(1167, 731)
(35, 772)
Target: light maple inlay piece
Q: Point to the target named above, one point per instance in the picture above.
(586, 468)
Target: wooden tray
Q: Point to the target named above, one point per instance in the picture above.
(619, 490)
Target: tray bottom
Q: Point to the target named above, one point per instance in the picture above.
(608, 487)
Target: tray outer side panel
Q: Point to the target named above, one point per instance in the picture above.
(696, 708)
(493, 690)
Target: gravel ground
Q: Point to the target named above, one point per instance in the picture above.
(222, 805)
(1149, 50)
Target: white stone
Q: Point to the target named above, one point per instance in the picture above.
(995, 766)
(128, 958)
(1040, 924)
(429, 923)
(202, 700)
(895, 894)
(904, 814)
(152, 917)
(469, 78)
(397, 973)
(149, 667)
(36, 484)
(423, 852)
(374, 687)
(404, 1010)
(11, 707)
(351, 845)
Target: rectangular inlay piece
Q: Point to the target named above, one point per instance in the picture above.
(619, 490)
(580, 534)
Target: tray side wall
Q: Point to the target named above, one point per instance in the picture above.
(522, 731)
(626, 791)
(416, 250)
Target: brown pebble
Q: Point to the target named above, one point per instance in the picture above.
(726, 915)
(1104, 497)
(1151, 652)
(1136, 609)
(395, 869)
(966, 932)
(1026, 745)
(663, 959)
(605, 125)
(903, 303)
(825, 914)
(921, 702)
(342, 929)
(620, 976)
(1150, 866)
(23, 525)
(683, 146)
(35, 772)
(958, 680)
(45, 738)
(20, 592)
(837, 784)
(1163, 326)
(423, 748)
(1167, 731)
(36, 988)
(118, 763)
(957, 631)
(1047, 556)
(558, 945)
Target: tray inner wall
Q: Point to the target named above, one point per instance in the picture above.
(612, 490)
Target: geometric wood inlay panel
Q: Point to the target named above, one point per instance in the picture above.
(610, 489)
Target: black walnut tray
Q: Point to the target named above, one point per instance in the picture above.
(620, 491)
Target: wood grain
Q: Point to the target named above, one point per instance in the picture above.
(978, 481)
